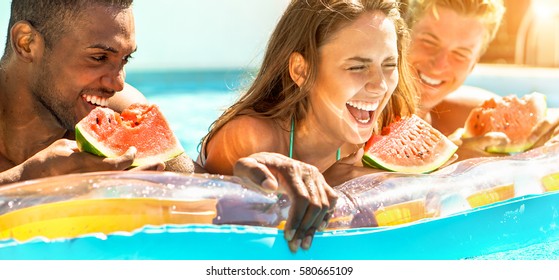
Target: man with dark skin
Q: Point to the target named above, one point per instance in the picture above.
(64, 58)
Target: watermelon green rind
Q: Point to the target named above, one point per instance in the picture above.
(444, 155)
(409, 145)
(538, 102)
(370, 162)
(509, 149)
(163, 157)
(89, 143)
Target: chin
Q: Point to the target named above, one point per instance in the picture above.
(360, 138)
(430, 101)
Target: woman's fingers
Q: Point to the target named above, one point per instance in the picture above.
(315, 211)
(311, 197)
(321, 219)
(256, 173)
(310, 205)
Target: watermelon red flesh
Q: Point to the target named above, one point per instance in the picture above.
(409, 145)
(516, 117)
(106, 133)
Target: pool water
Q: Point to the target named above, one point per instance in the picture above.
(540, 251)
(190, 100)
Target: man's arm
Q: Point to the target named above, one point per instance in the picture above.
(63, 157)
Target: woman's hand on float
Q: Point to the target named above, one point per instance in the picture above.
(311, 197)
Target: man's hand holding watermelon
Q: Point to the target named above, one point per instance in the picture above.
(62, 157)
(476, 146)
(505, 125)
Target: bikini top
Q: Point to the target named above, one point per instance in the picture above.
(201, 160)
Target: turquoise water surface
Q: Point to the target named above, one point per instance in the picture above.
(191, 100)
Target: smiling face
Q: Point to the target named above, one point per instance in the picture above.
(86, 66)
(443, 52)
(357, 74)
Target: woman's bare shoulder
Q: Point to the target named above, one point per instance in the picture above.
(241, 137)
(260, 134)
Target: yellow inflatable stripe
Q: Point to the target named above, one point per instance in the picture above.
(74, 218)
(491, 195)
(551, 182)
(401, 213)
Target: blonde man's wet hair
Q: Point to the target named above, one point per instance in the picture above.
(304, 27)
(490, 12)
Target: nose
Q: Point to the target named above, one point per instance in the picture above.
(377, 82)
(114, 78)
(439, 61)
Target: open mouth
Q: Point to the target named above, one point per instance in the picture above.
(362, 111)
(96, 100)
(429, 81)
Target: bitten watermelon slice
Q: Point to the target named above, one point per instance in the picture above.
(106, 133)
(516, 117)
(408, 145)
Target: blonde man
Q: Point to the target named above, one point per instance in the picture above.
(448, 39)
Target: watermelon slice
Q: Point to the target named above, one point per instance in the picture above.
(106, 133)
(408, 145)
(516, 117)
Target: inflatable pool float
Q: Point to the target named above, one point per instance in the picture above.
(471, 208)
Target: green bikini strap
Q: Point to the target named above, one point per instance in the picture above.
(292, 135)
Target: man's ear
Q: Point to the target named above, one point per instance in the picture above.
(298, 68)
(25, 40)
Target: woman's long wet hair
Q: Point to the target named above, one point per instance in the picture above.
(304, 27)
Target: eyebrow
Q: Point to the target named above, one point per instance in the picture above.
(368, 60)
(433, 36)
(360, 59)
(107, 48)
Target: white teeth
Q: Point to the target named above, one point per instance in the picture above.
(364, 121)
(96, 100)
(363, 105)
(429, 81)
